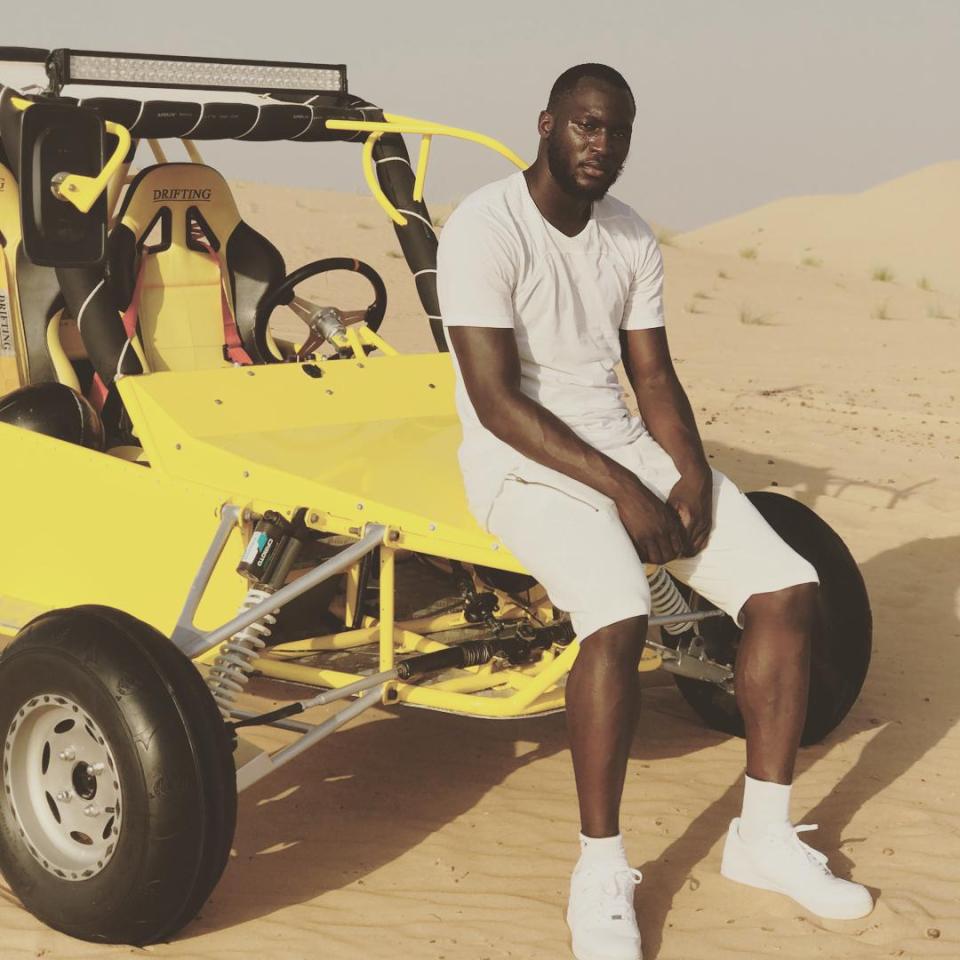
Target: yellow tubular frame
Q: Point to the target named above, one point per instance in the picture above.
(490, 690)
(82, 191)
(77, 189)
(427, 129)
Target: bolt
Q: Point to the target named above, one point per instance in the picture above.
(95, 769)
(91, 810)
(432, 526)
(359, 506)
(314, 517)
(65, 796)
(69, 754)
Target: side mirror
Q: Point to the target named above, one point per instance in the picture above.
(58, 142)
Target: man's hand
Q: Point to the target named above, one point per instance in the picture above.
(653, 525)
(692, 498)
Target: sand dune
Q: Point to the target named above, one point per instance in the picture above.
(906, 227)
(426, 836)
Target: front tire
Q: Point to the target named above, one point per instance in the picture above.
(119, 801)
(841, 652)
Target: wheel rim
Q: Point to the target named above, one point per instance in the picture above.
(61, 780)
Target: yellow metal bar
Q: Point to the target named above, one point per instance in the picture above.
(422, 162)
(370, 175)
(375, 340)
(387, 582)
(192, 152)
(353, 586)
(83, 191)
(356, 344)
(470, 704)
(397, 123)
(427, 129)
(471, 683)
(157, 150)
(344, 640)
(298, 673)
(649, 661)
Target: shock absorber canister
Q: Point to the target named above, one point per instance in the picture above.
(267, 561)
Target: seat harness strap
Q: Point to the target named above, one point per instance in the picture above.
(233, 349)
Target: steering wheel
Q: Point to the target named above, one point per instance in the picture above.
(323, 322)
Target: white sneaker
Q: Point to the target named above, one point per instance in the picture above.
(782, 862)
(600, 912)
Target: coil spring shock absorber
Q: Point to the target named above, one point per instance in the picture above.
(232, 668)
(666, 600)
(267, 561)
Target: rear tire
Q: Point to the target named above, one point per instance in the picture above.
(143, 715)
(841, 655)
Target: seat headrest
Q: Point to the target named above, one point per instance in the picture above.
(176, 193)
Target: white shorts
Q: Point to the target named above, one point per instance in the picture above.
(569, 537)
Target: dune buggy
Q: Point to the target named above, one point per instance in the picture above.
(190, 499)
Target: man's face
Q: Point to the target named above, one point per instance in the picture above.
(589, 139)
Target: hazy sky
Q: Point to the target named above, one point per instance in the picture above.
(739, 101)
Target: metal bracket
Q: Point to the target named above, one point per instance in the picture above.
(193, 642)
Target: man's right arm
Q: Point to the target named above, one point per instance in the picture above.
(490, 364)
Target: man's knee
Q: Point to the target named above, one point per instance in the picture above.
(622, 640)
(790, 606)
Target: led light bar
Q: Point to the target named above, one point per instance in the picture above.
(198, 73)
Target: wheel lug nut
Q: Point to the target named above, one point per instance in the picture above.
(92, 810)
(95, 769)
(69, 754)
(65, 796)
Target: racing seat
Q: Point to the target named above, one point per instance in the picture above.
(187, 273)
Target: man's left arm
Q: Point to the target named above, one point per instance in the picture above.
(669, 418)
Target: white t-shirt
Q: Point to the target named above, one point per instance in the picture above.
(500, 263)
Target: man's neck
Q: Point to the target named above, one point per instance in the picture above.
(568, 214)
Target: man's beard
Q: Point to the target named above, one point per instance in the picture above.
(557, 164)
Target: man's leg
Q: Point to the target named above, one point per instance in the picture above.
(570, 538)
(603, 696)
(772, 676)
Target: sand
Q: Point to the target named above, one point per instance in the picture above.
(418, 835)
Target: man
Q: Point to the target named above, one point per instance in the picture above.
(545, 282)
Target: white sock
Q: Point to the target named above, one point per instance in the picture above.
(766, 806)
(602, 849)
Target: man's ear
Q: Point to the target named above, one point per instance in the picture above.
(545, 124)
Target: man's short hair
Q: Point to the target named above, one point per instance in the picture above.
(565, 84)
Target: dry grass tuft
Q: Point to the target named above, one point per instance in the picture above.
(748, 316)
(811, 262)
(748, 253)
(882, 274)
